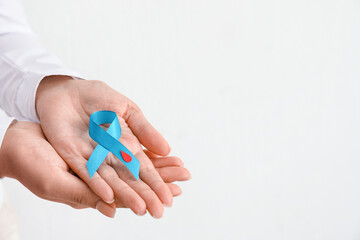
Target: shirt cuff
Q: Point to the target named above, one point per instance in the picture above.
(26, 93)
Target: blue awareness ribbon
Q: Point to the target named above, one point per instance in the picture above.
(108, 142)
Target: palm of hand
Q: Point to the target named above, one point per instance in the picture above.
(64, 110)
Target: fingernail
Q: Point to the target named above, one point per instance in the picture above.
(167, 206)
(105, 209)
(169, 150)
(178, 194)
(110, 201)
(156, 217)
(141, 214)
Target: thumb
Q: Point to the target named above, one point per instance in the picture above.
(145, 132)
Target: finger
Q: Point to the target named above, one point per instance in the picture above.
(151, 155)
(120, 204)
(172, 174)
(125, 195)
(153, 203)
(106, 209)
(78, 195)
(145, 132)
(167, 162)
(175, 189)
(76, 206)
(149, 175)
(96, 183)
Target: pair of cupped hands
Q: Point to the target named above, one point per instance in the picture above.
(50, 158)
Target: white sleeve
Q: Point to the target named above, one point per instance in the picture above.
(23, 63)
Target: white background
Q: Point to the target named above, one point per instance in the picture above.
(261, 99)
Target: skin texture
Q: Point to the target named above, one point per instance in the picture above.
(64, 106)
(27, 156)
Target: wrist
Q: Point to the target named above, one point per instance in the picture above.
(46, 90)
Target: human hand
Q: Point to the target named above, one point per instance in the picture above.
(64, 106)
(27, 156)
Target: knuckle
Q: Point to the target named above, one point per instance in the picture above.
(78, 198)
(133, 110)
(158, 185)
(123, 188)
(133, 106)
(106, 171)
(147, 167)
(86, 150)
(97, 83)
(149, 192)
(79, 168)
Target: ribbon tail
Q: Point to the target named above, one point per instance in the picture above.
(134, 167)
(96, 159)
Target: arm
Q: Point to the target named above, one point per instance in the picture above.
(23, 63)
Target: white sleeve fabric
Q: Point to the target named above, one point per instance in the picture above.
(23, 63)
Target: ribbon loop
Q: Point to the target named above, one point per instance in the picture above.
(108, 142)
